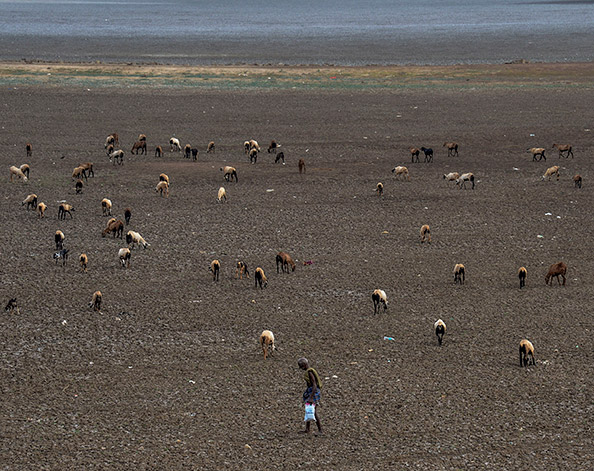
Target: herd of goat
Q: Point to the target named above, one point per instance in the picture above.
(284, 262)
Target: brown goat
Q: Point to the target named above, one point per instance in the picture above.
(260, 278)
(64, 209)
(301, 166)
(267, 343)
(425, 233)
(158, 151)
(283, 260)
(564, 148)
(29, 149)
(210, 148)
(522, 274)
(537, 151)
(526, 353)
(577, 181)
(215, 268)
(96, 301)
(139, 146)
(84, 261)
(414, 153)
(163, 188)
(557, 270)
(88, 169)
(241, 270)
(116, 227)
(41, 207)
(127, 215)
(78, 186)
(452, 148)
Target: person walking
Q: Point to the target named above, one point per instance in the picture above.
(312, 394)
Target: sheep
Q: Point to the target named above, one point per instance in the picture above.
(158, 151)
(106, 205)
(174, 145)
(554, 170)
(124, 255)
(577, 181)
(267, 343)
(222, 195)
(30, 201)
(425, 233)
(414, 153)
(401, 171)
(64, 209)
(280, 156)
(537, 151)
(283, 260)
(253, 155)
(452, 148)
(84, 261)
(428, 154)
(61, 255)
(25, 169)
(187, 151)
(41, 207)
(78, 173)
(12, 306)
(522, 274)
(127, 215)
(163, 188)
(272, 147)
(78, 186)
(117, 156)
(564, 148)
(88, 169)
(301, 166)
(59, 239)
(109, 149)
(17, 172)
(96, 301)
(260, 278)
(379, 189)
(133, 238)
(215, 268)
(556, 270)
(440, 330)
(452, 176)
(465, 177)
(242, 269)
(29, 149)
(526, 353)
(139, 146)
(379, 297)
(459, 273)
(229, 173)
(210, 148)
(116, 227)
(142, 137)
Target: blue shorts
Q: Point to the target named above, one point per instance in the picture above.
(317, 396)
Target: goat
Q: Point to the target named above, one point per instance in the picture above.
(124, 255)
(229, 173)
(174, 145)
(272, 147)
(127, 215)
(301, 166)
(554, 170)
(253, 155)
(451, 176)
(425, 233)
(164, 178)
(17, 172)
(556, 270)
(379, 297)
(522, 274)
(116, 227)
(440, 330)
(465, 177)
(142, 137)
(139, 146)
(163, 188)
(158, 151)
(41, 207)
(59, 239)
(242, 269)
(109, 149)
(88, 169)
(537, 151)
(84, 261)
(106, 205)
(283, 260)
(215, 268)
(459, 273)
(564, 148)
(267, 343)
(401, 171)
(29, 149)
(30, 201)
(25, 169)
(78, 186)
(452, 148)
(133, 238)
(526, 353)
(254, 145)
(187, 151)
(113, 139)
(222, 195)
(194, 154)
(12, 306)
(260, 278)
(78, 173)
(379, 189)
(246, 146)
(117, 156)
(61, 255)
(64, 209)
(414, 153)
(210, 148)
(96, 301)
(280, 156)
(577, 181)
(428, 154)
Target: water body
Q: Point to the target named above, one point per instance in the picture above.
(343, 32)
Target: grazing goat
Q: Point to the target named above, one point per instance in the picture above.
(577, 181)
(267, 343)
(194, 154)
(564, 148)
(158, 151)
(272, 147)
(78, 173)
(78, 186)
(222, 195)
(106, 205)
(139, 146)
(301, 166)
(554, 170)
(522, 274)
(174, 145)
(465, 177)
(25, 169)
(452, 148)
(440, 330)
(253, 155)
(556, 270)
(29, 149)
(283, 260)
(215, 268)
(280, 156)
(425, 233)
(127, 215)
(229, 173)
(164, 178)
(187, 151)
(117, 156)
(61, 255)
(17, 172)
(241, 270)
(459, 273)
(379, 189)
(96, 301)
(452, 176)
(84, 261)
(88, 169)
(379, 297)
(124, 255)
(116, 227)
(254, 145)
(414, 154)
(401, 171)
(59, 239)
(64, 209)
(260, 278)
(41, 207)
(537, 151)
(163, 188)
(12, 306)
(109, 149)
(142, 137)
(428, 154)
(133, 238)
(526, 353)
(112, 139)
(246, 146)
(30, 201)
(210, 148)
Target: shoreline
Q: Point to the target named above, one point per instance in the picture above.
(256, 76)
